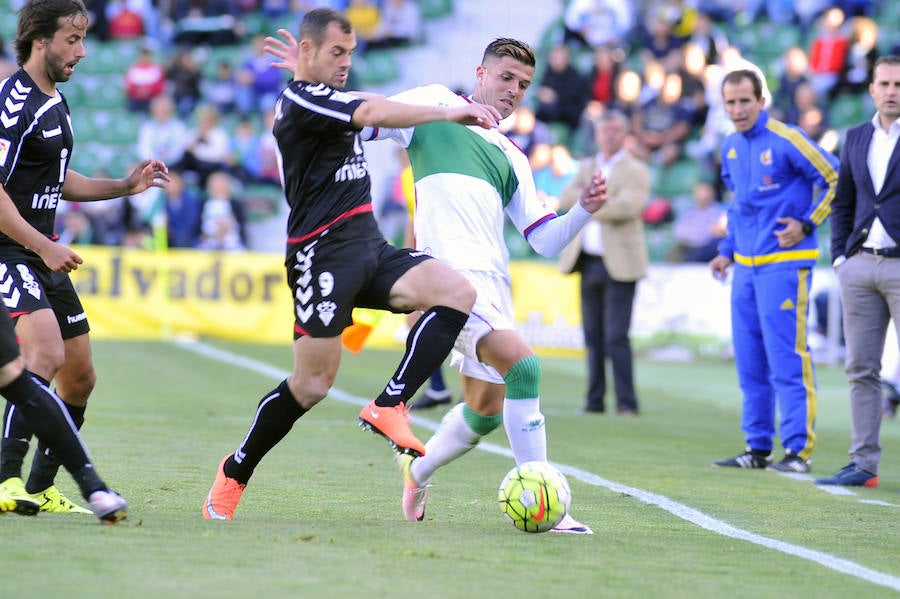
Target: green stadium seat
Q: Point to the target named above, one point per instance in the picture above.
(109, 57)
(435, 9)
(9, 20)
(847, 110)
(660, 239)
(677, 179)
(377, 67)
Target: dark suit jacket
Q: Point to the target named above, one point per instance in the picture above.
(855, 204)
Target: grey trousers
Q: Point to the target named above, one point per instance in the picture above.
(870, 297)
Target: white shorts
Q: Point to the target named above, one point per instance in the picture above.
(493, 311)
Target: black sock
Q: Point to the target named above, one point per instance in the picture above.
(14, 442)
(46, 416)
(276, 414)
(45, 464)
(427, 345)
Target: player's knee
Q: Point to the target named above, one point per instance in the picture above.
(523, 379)
(47, 360)
(308, 391)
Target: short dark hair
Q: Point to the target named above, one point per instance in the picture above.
(316, 21)
(41, 19)
(506, 46)
(735, 77)
(890, 59)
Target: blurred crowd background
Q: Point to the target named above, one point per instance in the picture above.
(187, 81)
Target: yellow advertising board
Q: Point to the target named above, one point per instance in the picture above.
(131, 293)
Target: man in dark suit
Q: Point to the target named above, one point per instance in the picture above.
(865, 230)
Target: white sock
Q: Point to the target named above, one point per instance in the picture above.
(452, 439)
(525, 429)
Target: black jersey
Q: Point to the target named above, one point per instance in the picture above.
(324, 170)
(35, 147)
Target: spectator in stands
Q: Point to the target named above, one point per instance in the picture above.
(184, 77)
(394, 211)
(553, 169)
(222, 90)
(689, 63)
(124, 21)
(73, 226)
(220, 229)
(658, 40)
(164, 135)
(709, 38)
(861, 56)
(661, 126)
(698, 229)
(654, 77)
(812, 121)
(98, 25)
(259, 83)
(592, 23)
(198, 22)
(256, 153)
(805, 98)
(604, 72)
(628, 92)
(400, 24)
(364, 17)
(562, 92)
(795, 65)
(525, 130)
(828, 53)
(679, 14)
(183, 208)
(144, 80)
(208, 148)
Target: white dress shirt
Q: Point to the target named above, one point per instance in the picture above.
(592, 238)
(880, 150)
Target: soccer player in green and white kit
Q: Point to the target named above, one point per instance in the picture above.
(467, 181)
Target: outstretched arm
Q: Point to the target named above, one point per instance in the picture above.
(149, 173)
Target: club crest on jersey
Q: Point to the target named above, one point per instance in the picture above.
(765, 157)
(326, 311)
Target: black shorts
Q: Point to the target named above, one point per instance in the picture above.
(9, 344)
(27, 285)
(344, 267)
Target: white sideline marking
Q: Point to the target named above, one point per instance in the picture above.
(673, 507)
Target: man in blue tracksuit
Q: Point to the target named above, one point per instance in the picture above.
(772, 169)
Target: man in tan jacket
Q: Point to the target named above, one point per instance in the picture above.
(611, 255)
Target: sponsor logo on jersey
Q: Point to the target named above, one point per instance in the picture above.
(47, 200)
(5, 145)
(351, 171)
(13, 105)
(731, 154)
(52, 132)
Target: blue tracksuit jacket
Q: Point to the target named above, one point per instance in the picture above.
(772, 170)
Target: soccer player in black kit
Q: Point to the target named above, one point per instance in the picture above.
(36, 144)
(337, 257)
